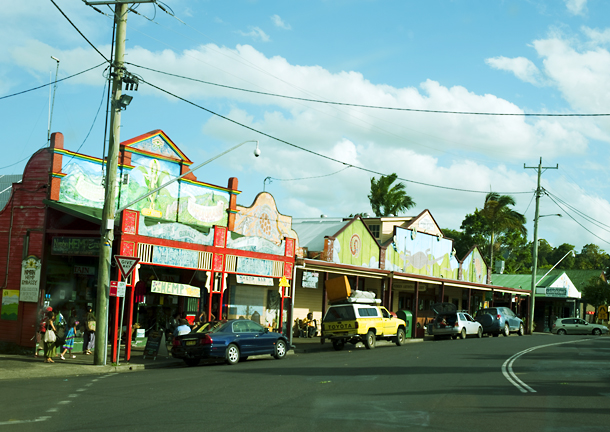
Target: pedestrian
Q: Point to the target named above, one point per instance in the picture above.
(69, 343)
(89, 334)
(42, 326)
(49, 338)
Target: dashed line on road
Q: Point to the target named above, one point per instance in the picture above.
(509, 374)
(13, 422)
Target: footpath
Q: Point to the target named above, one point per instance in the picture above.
(21, 366)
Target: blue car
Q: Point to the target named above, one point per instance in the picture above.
(233, 341)
(500, 321)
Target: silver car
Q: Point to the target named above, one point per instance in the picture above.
(565, 326)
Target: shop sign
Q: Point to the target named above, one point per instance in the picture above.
(10, 305)
(540, 291)
(175, 257)
(254, 266)
(556, 292)
(254, 280)
(170, 288)
(84, 270)
(310, 279)
(87, 246)
(30, 279)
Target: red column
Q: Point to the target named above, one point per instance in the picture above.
(116, 329)
(129, 298)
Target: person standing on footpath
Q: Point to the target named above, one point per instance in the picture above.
(49, 338)
(89, 337)
(71, 332)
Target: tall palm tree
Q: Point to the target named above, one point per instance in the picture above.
(500, 217)
(388, 200)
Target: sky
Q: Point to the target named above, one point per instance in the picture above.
(317, 158)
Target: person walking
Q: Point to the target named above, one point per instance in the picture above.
(49, 338)
(69, 343)
(89, 335)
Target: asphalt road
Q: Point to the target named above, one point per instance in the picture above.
(531, 383)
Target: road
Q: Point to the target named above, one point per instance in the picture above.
(530, 383)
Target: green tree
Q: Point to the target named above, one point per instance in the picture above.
(500, 217)
(559, 252)
(591, 257)
(387, 199)
(596, 292)
(516, 252)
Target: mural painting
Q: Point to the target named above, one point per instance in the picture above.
(474, 268)
(355, 245)
(421, 253)
(263, 220)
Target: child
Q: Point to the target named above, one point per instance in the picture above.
(69, 343)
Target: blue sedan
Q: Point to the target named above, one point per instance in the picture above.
(233, 341)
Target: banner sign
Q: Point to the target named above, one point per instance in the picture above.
(30, 279)
(254, 280)
(163, 287)
(87, 246)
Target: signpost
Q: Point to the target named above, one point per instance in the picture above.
(126, 265)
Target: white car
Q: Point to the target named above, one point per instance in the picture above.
(453, 323)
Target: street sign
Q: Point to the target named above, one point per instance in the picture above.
(126, 264)
(117, 289)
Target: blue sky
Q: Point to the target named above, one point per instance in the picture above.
(529, 56)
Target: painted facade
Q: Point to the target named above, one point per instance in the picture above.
(474, 268)
(353, 245)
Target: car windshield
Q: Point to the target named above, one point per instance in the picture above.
(340, 313)
(224, 327)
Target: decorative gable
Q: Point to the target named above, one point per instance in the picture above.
(155, 143)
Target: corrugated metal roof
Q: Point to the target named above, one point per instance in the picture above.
(579, 278)
(6, 185)
(312, 231)
(520, 281)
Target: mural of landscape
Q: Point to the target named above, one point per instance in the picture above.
(183, 201)
(421, 253)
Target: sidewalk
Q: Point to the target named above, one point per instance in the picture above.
(16, 366)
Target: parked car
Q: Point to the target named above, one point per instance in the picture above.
(500, 320)
(563, 326)
(233, 341)
(361, 322)
(453, 323)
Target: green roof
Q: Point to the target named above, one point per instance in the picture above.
(579, 278)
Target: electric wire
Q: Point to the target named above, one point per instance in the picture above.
(51, 83)
(374, 106)
(585, 216)
(308, 178)
(313, 152)
(572, 217)
(79, 32)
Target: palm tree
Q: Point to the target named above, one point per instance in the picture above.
(500, 218)
(388, 200)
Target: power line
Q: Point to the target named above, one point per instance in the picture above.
(51, 83)
(374, 106)
(572, 217)
(599, 224)
(79, 32)
(313, 152)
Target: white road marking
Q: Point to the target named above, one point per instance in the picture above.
(72, 395)
(63, 402)
(13, 422)
(88, 384)
(509, 374)
(81, 390)
(53, 410)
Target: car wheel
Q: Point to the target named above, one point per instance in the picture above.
(280, 349)
(561, 332)
(400, 337)
(232, 354)
(506, 331)
(521, 331)
(463, 334)
(369, 341)
(191, 362)
(338, 344)
(480, 333)
(597, 332)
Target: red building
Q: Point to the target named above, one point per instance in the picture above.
(198, 250)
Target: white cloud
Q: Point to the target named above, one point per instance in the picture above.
(280, 23)
(256, 33)
(576, 7)
(523, 68)
(597, 37)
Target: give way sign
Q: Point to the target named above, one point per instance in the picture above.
(126, 264)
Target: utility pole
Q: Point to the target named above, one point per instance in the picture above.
(52, 101)
(107, 227)
(535, 251)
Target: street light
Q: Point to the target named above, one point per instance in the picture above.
(52, 101)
